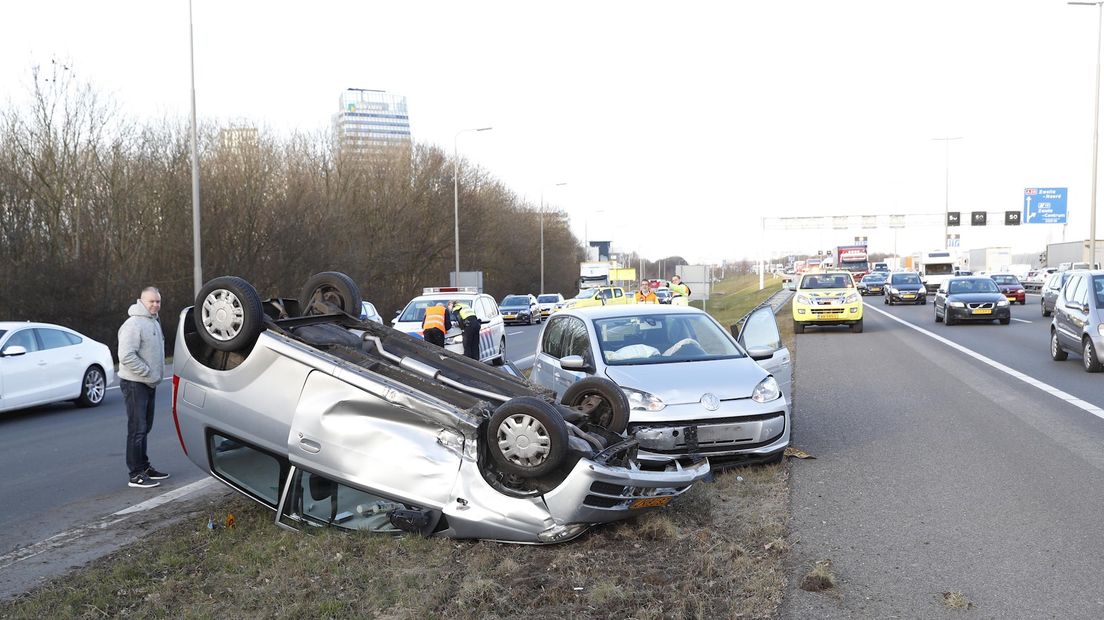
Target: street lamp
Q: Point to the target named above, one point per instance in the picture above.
(197, 265)
(1096, 133)
(542, 236)
(946, 185)
(456, 193)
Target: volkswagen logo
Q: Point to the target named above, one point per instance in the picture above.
(710, 401)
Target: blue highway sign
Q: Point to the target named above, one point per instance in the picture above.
(1044, 205)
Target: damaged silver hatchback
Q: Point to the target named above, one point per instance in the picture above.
(329, 420)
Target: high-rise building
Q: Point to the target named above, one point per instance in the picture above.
(371, 122)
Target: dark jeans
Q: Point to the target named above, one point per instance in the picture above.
(139, 405)
(471, 339)
(434, 336)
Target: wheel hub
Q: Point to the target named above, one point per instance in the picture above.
(223, 315)
(523, 440)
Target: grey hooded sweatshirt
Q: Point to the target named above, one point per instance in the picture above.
(141, 347)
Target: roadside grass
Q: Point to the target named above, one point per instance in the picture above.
(735, 296)
(719, 550)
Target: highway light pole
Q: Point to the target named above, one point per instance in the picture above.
(946, 185)
(456, 193)
(1096, 132)
(542, 235)
(197, 263)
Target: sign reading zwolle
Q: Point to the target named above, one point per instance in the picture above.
(1044, 205)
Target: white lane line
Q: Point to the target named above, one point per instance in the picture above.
(69, 536)
(1020, 320)
(525, 362)
(514, 333)
(1032, 381)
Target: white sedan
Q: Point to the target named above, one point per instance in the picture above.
(42, 363)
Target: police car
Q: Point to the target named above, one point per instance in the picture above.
(492, 336)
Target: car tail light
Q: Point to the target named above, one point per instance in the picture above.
(176, 421)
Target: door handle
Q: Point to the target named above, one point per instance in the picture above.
(41, 362)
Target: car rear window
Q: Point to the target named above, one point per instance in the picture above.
(548, 299)
(1006, 280)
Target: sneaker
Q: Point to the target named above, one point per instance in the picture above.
(155, 475)
(143, 482)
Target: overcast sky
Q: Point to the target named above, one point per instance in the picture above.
(677, 126)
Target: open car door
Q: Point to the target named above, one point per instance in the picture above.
(759, 336)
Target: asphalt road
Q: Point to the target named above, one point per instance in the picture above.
(937, 472)
(64, 466)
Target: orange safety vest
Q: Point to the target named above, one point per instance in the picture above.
(434, 318)
(649, 298)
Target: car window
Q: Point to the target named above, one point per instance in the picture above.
(552, 341)
(1006, 280)
(53, 339)
(905, 278)
(1098, 290)
(255, 472)
(633, 340)
(24, 338)
(618, 292)
(486, 310)
(2, 332)
(1068, 291)
(826, 281)
(547, 299)
(1078, 290)
(515, 300)
(324, 501)
(761, 330)
(1052, 281)
(577, 340)
(415, 310)
(587, 294)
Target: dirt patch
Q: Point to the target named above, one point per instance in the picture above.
(956, 600)
(820, 578)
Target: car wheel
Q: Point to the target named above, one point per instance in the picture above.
(1088, 356)
(1024, 302)
(527, 437)
(1056, 352)
(857, 327)
(93, 387)
(228, 314)
(885, 300)
(501, 359)
(923, 302)
(948, 318)
(799, 328)
(1046, 312)
(938, 319)
(601, 400)
(1005, 321)
(328, 291)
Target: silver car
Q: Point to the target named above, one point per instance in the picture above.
(330, 420)
(693, 389)
(1078, 323)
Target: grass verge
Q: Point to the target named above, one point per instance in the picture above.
(718, 551)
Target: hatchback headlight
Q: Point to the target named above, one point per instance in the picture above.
(852, 298)
(804, 299)
(643, 401)
(1100, 330)
(958, 304)
(766, 391)
(891, 290)
(1002, 303)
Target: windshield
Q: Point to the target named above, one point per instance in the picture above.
(938, 269)
(514, 301)
(874, 277)
(1006, 280)
(979, 285)
(663, 339)
(826, 280)
(548, 299)
(906, 278)
(587, 294)
(415, 310)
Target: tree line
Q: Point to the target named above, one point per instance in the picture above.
(95, 206)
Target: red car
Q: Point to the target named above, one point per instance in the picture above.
(1011, 287)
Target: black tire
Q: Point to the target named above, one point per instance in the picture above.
(923, 302)
(1057, 353)
(1024, 302)
(534, 423)
(228, 314)
(938, 319)
(603, 402)
(1042, 305)
(799, 327)
(330, 290)
(501, 359)
(1088, 356)
(857, 327)
(885, 301)
(93, 387)
(948, 318)
(1005, 321)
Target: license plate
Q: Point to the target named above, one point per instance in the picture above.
(650, 502)
(983, 311)
(828, 317)
(1011, 299)
(908, 296)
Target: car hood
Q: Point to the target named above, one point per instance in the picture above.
(906, 287)
(685, 382)
(514, 308)
(973, 298)
(1010, 287)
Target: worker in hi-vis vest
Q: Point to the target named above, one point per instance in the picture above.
(645, 295)
(470, 323)
(435, 324)
(680, 293)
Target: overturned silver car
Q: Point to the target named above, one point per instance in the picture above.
(329, 420)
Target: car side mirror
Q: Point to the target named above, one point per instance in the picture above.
(14, 350)
(761, 353)
(573, 362)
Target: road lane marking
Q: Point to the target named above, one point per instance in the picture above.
(1020, 320)
(514, 333)
(67, 537)
(1032, 381)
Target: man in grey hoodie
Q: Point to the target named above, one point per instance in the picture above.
(141, 368)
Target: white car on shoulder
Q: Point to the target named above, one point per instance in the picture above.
(492, 336)
(42, 363)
